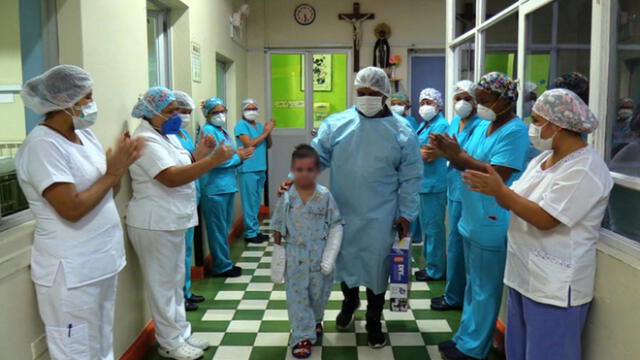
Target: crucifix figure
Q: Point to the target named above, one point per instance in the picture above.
(355, 19)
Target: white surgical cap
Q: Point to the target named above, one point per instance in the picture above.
(184, 100)
(373, 78)
(247, 102)
(431, 94)
(465, 86)
(57, 89)
(530, 87)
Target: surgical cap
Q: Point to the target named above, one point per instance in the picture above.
(209, 104)
(565, 109)
(58, 88)
(184, 100)
(247, 102)
(530, 87)
(152, 102)
(400, 96)
(575, 82)
(625, 101)
(373, 78)
(465, 86)
(499, 83)
(431, 94)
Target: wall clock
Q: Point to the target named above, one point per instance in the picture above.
(304, 14)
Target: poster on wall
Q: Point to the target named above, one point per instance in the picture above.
(196, 64)
(322, 72)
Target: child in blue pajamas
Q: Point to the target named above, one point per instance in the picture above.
(308, 218)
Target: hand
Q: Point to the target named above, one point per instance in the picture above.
(489, 183)
(285, 186)
(205, 146)
(245, 153)
(326, 267)
(127, 151)
(402, 225)
(428, 153)
(269, 125)
(446, 145)
(222, 154)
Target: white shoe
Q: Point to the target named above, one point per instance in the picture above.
(199, 343)
(182, 352)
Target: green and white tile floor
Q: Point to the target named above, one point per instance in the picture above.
(246, 318)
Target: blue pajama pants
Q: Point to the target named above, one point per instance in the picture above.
(432, 214)
(218, 216)
(485, 270)
(456, 277)
(542, 331)
(251, 187)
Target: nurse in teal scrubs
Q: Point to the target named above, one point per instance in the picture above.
(502, 142)
(253, 172)
(433, 191)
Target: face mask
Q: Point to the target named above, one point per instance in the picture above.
(528, 105)
(463, 108)
(185, 118)
(427, 112)
(539, 143)
(625, 113)
(369, 105)
(251, 115)
(87, 117)
(398, 109)
(218, 120)
(172, 125)
(486, 113)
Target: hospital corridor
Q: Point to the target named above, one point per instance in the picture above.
(319, 179)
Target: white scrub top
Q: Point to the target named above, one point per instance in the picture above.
(88, 250)
(153, 205)
(546, 265)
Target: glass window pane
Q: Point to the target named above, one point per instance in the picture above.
(623, 214)
(466, 61)
(152, 46)
(495, 6)
(501, 47)
(221, 80)
(329, 86)
(465, 16)
(287, 90)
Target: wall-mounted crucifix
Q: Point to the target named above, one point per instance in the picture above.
(356, 18)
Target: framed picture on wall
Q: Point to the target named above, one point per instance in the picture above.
(196, 63)
(322, 72)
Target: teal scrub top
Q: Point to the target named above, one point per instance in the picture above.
(258, 162)
(434, 174)
(222, 179)
(483, 220)
(415, 124)
(190, 146)
(454, 180)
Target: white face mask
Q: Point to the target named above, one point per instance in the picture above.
(251, 115)
(535, 133)
(185, 120)
(398, 109)
(463, 108)
(87, 117)
(369, 105)
(486, 113)
(218, 120)
(625, 113)
(428, 112)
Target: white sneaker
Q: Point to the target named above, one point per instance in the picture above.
(182, 352)
(199, 343)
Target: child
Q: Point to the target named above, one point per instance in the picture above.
(308, 218)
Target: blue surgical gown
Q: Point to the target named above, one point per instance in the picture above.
(376, 172)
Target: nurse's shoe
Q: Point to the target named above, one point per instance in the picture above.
(235, 271)
(421, 275)
(182, 352)
(452, 353)
(196, 298)
(199, 343)
(263, 237)
(446, 345)
(440, 304)
(254, 240)
(189, 306)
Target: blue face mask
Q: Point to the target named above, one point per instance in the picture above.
(172, 125)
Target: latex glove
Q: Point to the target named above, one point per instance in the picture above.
(278, 264)
(331, 250)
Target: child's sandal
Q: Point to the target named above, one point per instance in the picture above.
(302, 350)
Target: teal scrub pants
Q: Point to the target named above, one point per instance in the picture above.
(188, 238)
(416, 232)
(218, 215)
(456, 277)
(251, 186)
(432, 214)
(483, 293)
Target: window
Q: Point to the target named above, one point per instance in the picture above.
(501, 47)
(465, 16)
(221, 80)
(158, 45)
(466, 60)
(495, 6)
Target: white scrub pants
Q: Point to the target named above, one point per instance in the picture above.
(161, 255)
(78, 321)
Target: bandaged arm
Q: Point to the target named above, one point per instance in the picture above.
(331, 250)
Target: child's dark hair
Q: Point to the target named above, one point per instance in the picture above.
(304, 151)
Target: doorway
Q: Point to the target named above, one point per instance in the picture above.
(304, 87)
(427, 70)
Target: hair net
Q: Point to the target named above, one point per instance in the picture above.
(530, 87)
(247, 102)
(152, 102)
(431, 94)
(209, 104)
(58, 88)
(499, 83)
(373, 78)
(575, 82)
(564, 108)
(400, 96)
(625, 101)
(184, 100)
(465, 86)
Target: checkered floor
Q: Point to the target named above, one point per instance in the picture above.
(246, 318)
